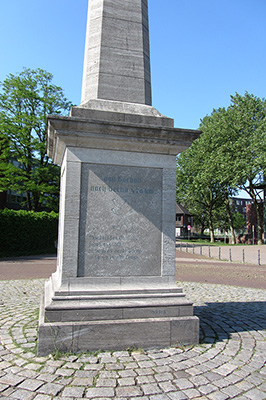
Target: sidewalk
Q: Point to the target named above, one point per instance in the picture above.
(27, 267)
(195, 268)
(247, 253)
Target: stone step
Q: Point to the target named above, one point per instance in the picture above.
(96, 297)
(117, 303)
(68, 309)
(126, 290)
(120, 334)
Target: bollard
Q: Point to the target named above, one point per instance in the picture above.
(258, 257)
(243, 256)
(180, 247)
(193, 249)
(219, 253)
(209, 251)
(230, 255)
(186, 248)
(201, 250)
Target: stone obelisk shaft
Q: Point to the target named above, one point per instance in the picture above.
(117, 55)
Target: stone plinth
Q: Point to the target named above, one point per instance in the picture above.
(114, 286)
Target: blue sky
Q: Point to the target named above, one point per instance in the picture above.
(202, 51)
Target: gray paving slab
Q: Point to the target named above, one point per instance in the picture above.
(230, 362)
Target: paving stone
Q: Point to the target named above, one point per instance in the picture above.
(30, 384)
(131, 365)
(146, 364)
(82, 382)
(128, 391)
(207, 389)
(151, 388)
(86, 374)
(159, 397)
(144, 371)
(73, 392)
(33, 366)
(145, 379)
(3, 387)
(73, 365)
(231, 391)
(183, 383)
(64, 372)
(199, 380)
(20, 394)
(255, 394)
(108, 374)
(218, 396)
(63, 381)
(106, 383)
(127, 373)
(192, 393)
(113, 367)
(12, 380)
(126, 381)
(177, 396)
(8, 392)
(93, 367)
(167, 387)
(42, 397)
(162, 369)
(99, 392)
(51, 388)
(46, 377)
(244, 385)
(27, 373)
(163, 377)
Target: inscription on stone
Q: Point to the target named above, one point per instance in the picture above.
(120, 221)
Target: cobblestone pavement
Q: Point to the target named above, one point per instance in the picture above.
(230, 362)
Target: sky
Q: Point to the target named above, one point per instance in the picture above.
(202, 51)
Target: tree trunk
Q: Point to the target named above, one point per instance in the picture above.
(29, 201)
(230, 217)
(211, 227)
(260, 223)
(36, 202)
(259, 218)
(3, 200)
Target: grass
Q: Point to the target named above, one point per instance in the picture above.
(207, 242)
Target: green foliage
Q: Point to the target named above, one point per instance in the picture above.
(229, 155)
(25, 101)
(239, 221)
(27, 232)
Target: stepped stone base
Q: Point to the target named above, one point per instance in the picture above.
(112, 319)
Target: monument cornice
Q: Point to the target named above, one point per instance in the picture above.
(88, 133)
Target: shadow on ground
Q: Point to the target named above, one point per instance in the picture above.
(218, 321)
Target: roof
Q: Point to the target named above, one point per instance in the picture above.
(181, 210)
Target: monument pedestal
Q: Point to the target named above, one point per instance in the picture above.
(114, 287)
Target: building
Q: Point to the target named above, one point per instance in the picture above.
(184, 219)
(240, 205)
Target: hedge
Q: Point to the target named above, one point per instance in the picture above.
(27, 232)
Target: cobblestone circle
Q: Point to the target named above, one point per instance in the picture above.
(230, 362)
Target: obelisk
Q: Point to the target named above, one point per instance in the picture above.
(114, 286)
(117, 54)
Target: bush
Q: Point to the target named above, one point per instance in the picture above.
(27, 232)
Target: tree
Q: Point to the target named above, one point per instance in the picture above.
(219, 130)
(25, 101)
(249, 116)
(229, 155)
(197, 186)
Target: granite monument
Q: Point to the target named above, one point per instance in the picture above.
(114, 286)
